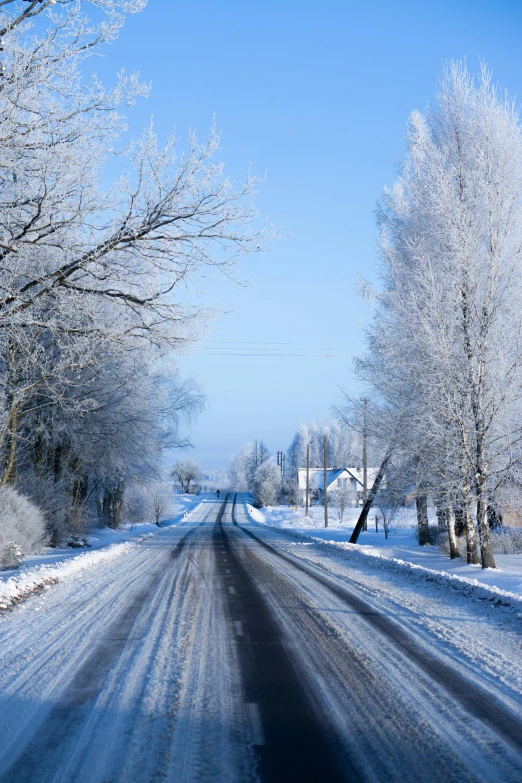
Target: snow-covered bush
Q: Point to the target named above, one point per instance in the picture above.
(137, 505)
(390, 512)
(443, 542)
(507, 540)
(22, 528)
(431, 535)
(342, 498)
(77, 522)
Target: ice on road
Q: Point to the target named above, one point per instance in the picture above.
(224, 650)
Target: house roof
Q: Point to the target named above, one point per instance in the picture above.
(332, 474)
(357, 473)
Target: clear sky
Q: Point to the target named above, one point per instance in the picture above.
(317, 96)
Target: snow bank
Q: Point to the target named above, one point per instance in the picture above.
(256, 514)
(489, 592)
(31, 580)
(54, 565)
(401, 551)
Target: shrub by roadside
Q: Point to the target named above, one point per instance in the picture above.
(22, 528)
(505, 541)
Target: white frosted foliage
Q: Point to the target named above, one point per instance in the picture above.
(22, 527)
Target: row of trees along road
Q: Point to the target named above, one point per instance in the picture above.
(344, 444)
(444, 355)
(93, 279)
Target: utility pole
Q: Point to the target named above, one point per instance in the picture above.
(296, 481)
(283, 460)
(290, 478)
(365, 456)
(325, 491)
(365, 450)
(307, 475)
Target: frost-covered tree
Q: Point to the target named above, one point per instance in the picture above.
(66, 245)
(446, 347)
(266, 483)
(186, 471)
(342, 497)
(160, 499)
(255, 455)
(237, 471)
(244, 465)
(93, 280)
(344, 446)
(76, 463)
(136, 504)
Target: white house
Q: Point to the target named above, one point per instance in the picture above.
(336, 478)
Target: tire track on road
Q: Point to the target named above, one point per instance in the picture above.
(300, 743)
(475, 702)
(43, 749)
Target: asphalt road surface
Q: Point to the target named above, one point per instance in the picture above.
(224, 650)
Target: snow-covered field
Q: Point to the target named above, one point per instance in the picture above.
(52, 565)
(401, 547)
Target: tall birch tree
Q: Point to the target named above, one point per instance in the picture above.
(448, 329)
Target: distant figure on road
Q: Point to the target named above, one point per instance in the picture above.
(217, 493)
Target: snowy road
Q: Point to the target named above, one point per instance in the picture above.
(223, 650)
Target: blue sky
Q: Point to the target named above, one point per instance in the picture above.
(316, 95)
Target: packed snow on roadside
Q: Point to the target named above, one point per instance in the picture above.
(41, 571)
(401, 547)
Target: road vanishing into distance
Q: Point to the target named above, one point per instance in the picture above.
(225, 650)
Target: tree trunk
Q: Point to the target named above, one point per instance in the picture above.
(452, 538)
(113, 503)
(78, 497)
(57, 462)
(421, 503)
(79, 490)
(494, 517)
(38, 451)
(442, 513)
(460, 527)
(9, 474)
(99, 509)
(472, 556)
(473, 386)
(486, 546)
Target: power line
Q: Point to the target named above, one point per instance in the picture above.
(305, 355)
(251, 342)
